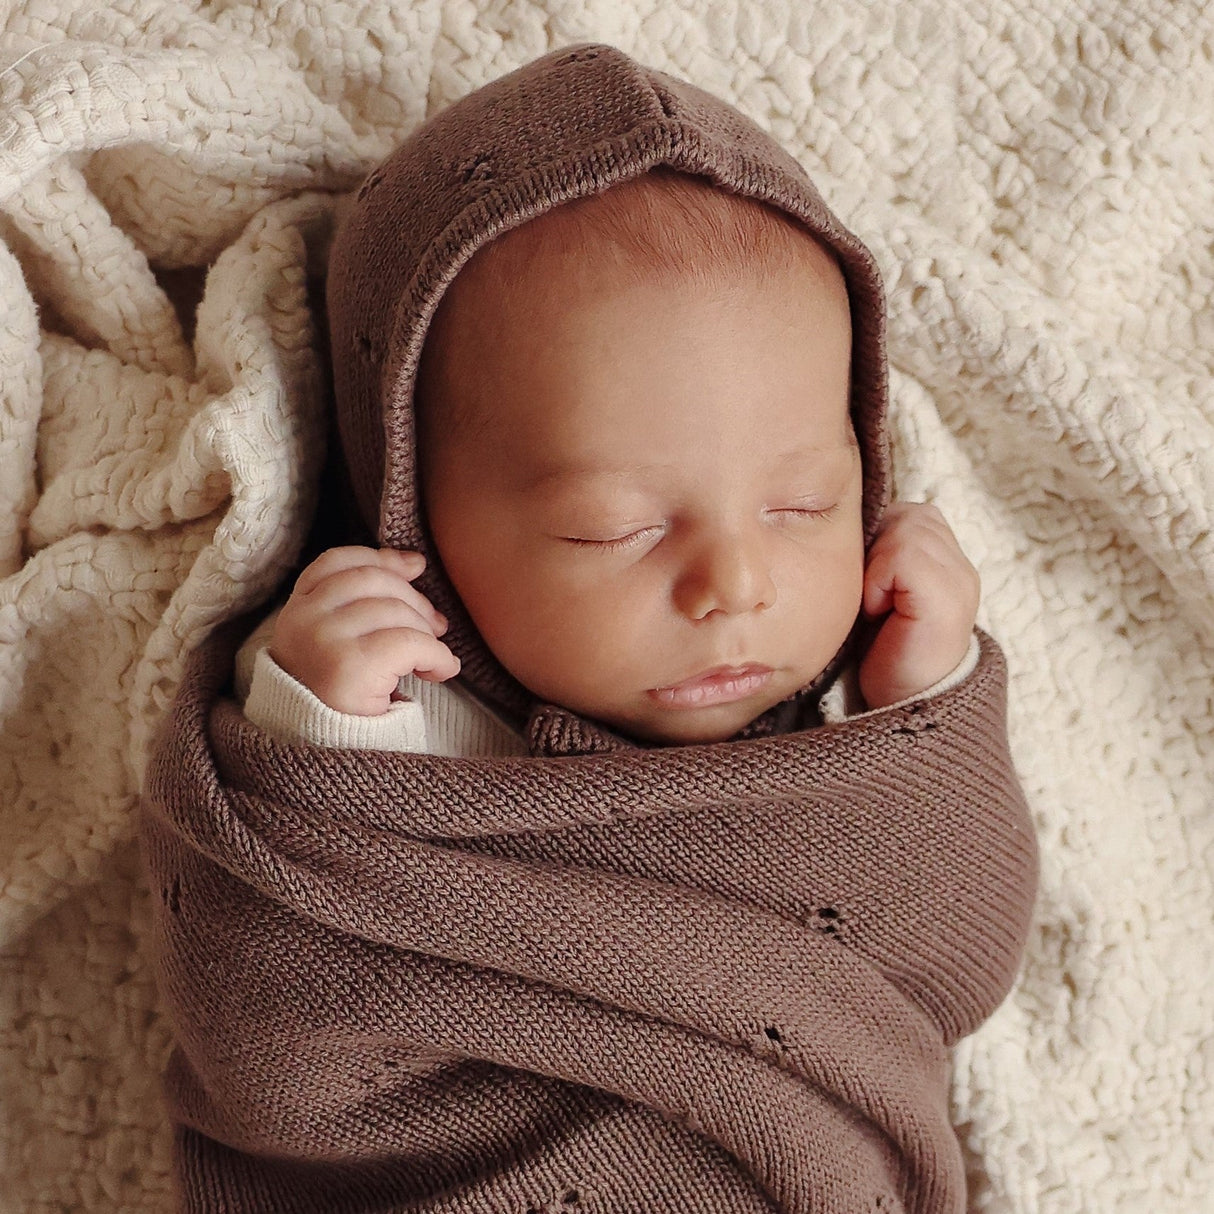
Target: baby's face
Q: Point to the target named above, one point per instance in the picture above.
(653, 516)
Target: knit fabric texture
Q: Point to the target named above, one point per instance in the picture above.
(605, 976)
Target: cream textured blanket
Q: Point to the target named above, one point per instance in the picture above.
(1037, 180)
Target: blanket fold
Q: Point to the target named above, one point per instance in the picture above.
(407, 982)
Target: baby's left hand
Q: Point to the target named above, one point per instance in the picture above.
(917, 573)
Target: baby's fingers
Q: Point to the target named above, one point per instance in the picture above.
(889, 586)
(393, 639)
(353, 557)
(344, 581)
(361, 617)
(916, 566)
(405, 651)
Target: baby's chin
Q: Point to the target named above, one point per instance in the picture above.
(690, 727)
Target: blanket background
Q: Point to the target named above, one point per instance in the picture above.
(1037, 181)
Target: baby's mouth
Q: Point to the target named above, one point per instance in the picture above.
(720, 685)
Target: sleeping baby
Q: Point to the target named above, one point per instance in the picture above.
(628, 825)
(639, 469)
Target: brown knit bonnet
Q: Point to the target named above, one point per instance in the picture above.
(569, 125)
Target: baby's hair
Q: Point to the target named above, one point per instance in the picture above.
(663, 225)
(662, 222)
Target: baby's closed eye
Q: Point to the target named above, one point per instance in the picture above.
(616, 538)
(807, 511)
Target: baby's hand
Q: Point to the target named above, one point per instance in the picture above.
(354, 625)
(917, 573)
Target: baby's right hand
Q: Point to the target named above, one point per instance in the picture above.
(354, 625)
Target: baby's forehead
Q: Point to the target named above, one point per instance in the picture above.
(663, 227)
(529, 290)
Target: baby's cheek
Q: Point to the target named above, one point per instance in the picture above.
(602, 637)
(826, 595)
(538, 635)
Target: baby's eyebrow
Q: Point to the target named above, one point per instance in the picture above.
(819, 449)
(818, 455)
(553, 476)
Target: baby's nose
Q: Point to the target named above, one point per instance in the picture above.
(726, 576)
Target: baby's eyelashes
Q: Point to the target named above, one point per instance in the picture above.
(635, 537)
(629, 539)
(803, 512)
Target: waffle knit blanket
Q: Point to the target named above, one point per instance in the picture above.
(1035, 180)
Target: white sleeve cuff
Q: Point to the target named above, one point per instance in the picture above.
(842, 700)
(286, 709)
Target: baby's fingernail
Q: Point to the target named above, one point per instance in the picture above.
(443, 622)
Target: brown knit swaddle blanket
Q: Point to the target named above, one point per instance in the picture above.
(628, 980)
(707, 978)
